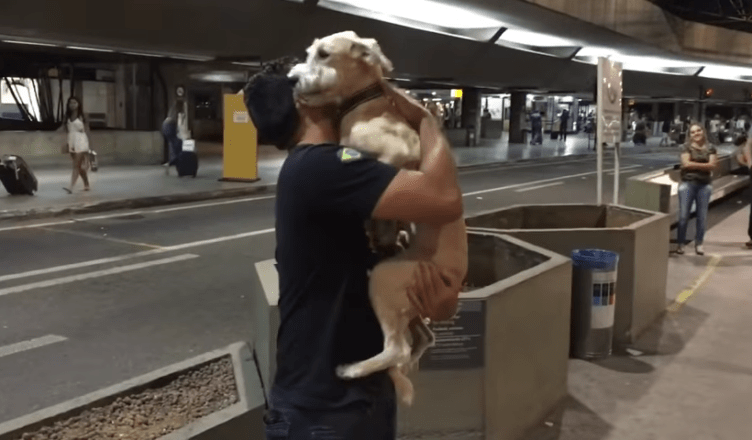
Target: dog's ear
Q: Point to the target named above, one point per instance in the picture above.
(369, 50)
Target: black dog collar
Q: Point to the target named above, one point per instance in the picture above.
(368, 94)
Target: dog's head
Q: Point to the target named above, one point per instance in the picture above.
(338, 66)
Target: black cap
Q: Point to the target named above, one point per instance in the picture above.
(271, 103)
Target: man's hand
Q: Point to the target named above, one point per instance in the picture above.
(432, 295)
(413, 111)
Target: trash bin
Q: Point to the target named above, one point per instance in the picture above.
(470, 140)
(593, 302)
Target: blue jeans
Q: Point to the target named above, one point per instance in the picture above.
(175, 144)
(698, 193)
(374, 420)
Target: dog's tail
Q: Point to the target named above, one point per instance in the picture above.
(402, 385)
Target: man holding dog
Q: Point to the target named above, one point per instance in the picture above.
(325, 193)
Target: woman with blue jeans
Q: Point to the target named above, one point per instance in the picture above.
(698, 160)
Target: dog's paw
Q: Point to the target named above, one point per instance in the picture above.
(348, 372)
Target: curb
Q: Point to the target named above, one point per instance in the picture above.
(135, 203)
(175, 199)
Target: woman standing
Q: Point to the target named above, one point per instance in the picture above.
(78, 142)
(698, 160)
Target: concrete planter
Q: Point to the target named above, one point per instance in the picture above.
(640, 237)
(234, 422)
(500, 366)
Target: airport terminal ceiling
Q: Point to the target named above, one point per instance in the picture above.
(732, 14)
(265, 29)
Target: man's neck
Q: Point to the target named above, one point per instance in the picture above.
(320, 133)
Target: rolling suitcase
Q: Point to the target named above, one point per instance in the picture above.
(187, 164)
(16, 176)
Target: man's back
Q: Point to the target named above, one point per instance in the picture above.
(324, 195)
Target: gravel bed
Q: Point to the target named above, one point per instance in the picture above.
(152, 413)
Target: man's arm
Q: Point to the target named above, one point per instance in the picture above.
(431, 194)
(748, 153)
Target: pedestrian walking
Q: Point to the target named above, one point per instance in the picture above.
(173, 129)
(77, 128)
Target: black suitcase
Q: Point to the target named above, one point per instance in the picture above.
(16, 176)
(554, 135)
(187, 164)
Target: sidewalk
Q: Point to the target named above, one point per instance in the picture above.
(123, 187)
(690, 375)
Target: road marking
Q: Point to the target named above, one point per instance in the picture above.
(96, 274)
(124, 257)
(623, 172)
(206, 205)
(95, 236)
(684, 296)
(533, 188)
(218, 240)
(80, 265)
(30, 345)
(553, 179)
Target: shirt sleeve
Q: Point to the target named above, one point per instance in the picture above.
(351, 186)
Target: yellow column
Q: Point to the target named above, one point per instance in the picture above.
(240, 149)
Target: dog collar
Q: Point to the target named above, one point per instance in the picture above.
(367, 94)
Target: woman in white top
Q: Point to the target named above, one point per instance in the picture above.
(78, 142)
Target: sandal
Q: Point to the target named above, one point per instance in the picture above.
(87, 188)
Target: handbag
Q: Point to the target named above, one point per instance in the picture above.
(92, 159)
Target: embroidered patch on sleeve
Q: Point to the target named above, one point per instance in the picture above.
(349, 155)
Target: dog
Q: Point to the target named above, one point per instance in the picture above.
(347, 70)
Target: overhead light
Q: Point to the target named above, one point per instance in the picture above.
(189, 57)
(92, 49)
(732, 73)
(29, 43)
(139, 54)
(436, 99)
(424, 11)
(530, 38)
(433, 93)
(247, 63)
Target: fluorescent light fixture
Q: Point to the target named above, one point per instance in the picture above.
(189, 57)
(424, 11)
(720, 71)
(530, 38)
(247, 63)
(92, 49)
(140, 54)
(638, 63)
(28, 43)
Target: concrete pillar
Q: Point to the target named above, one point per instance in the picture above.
(517, 117)
(471, 110)
(121, 94)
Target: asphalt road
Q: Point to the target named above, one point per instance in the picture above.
(68, 331)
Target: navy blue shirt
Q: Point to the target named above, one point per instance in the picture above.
(324, 196)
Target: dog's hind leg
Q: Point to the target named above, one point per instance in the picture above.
(423, 338)
(402, 385)
(392, 308)
(396, 351)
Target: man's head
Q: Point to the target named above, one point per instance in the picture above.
(337, 67)
(279, 119)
